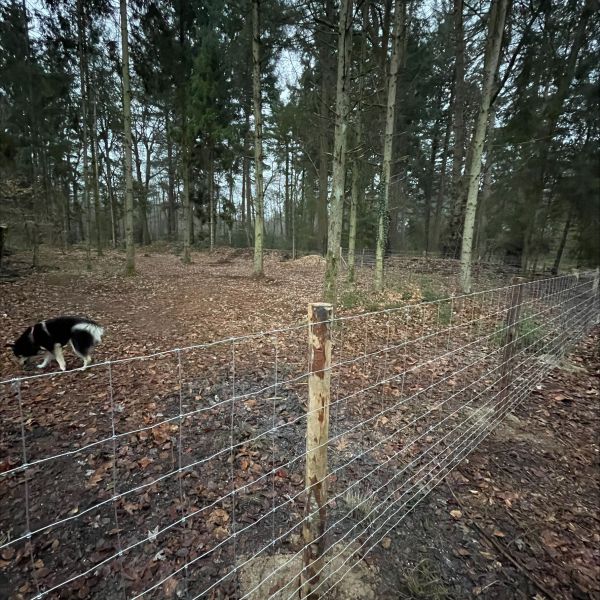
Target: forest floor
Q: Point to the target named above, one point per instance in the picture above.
(518, 519)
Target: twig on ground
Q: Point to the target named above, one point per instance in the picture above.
(504, 551)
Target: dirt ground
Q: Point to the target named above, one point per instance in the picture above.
(518, 519)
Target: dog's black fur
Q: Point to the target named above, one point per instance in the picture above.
(52, 335)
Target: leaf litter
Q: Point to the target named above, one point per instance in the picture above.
(530, 486)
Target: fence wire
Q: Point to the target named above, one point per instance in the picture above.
(181, 474)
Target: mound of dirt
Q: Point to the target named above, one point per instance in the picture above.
(311, 260)
(277, 575)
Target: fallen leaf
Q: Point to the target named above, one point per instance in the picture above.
(7, 553)
(144, 462)
(152, 533)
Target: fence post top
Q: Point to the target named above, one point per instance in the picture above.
(319, 312)
(325, 305)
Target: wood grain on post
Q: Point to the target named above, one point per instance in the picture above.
(317, 436)
(512, 331)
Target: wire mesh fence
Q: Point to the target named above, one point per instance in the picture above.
(182, 474)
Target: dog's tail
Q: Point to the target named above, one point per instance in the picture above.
(93, 329)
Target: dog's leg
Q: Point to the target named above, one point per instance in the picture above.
(84, 357)
(60, 358)
(47, 359)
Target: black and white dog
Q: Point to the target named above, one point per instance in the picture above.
(52, 335)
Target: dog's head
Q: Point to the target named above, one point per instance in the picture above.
(20, 360)
(24, 348)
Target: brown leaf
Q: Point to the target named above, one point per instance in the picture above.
(386, 542)
(144, 462)
(8, 553)
(169, 587)
(456, 514)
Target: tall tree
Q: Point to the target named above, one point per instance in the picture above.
(388, 139)
(81, 37)
(127, 150)
(258, 140)
(452, 239)
(495, 32)
(357, 160)
(325, 43)
(336, 210)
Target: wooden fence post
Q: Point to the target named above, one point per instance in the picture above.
(512, 334)
(317, 436)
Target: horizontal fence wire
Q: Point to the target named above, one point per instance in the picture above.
(182, 472)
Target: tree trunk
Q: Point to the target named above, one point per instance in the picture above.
(357, 166)
(67, 206)
(78, 213)
(187, 208)
(244, 167)
(65, 209)
(486, 188)
(561, 246)
(356, 181)
(397, 38)
(452, 236)
(171, 206)
(96, 182)
(211, 201)
(81, 34)
(435, 243)
(334, 235)
(286, 208)
(324, 42)
(429, 187)
(147, 238)
(397, 205)
(258, 134)
(496, 17)
(109, 187)
(142, 224)
(129, 245)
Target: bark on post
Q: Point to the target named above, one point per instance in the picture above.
(510, 341)
(317, 435)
